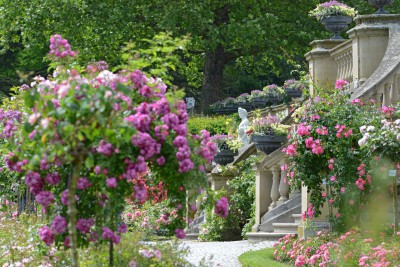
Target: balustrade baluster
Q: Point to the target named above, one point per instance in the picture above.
(276, 176)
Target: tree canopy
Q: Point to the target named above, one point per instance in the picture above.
(250, 43)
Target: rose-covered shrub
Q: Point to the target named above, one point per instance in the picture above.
(324, 155)
(86, 139)
(353, 248)
(21, 246)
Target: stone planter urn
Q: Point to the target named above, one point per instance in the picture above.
(268, 143)
(224, 157)
(231, 108)
(273, 99)
(293, 93)
(380, 4)
(245, 105)
(228, 109)
(259, 102)
(336, 24)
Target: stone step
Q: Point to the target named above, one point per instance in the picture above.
(191, 237)
(255, 237)
(290, 228)
(297, 218)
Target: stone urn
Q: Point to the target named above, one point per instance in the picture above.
(273, 100)
(259, 102)
(336, 24)
(293, 93)
(380, 4)
(268, 143)
(224, 156)
(246, 105)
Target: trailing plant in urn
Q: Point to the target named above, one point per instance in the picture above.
(332, 8)
(335, 16)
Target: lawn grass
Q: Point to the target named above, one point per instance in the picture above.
(260, 258)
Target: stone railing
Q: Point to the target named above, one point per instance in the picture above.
(272, 189)
(384, 84)
(369, 60)
(343, 56)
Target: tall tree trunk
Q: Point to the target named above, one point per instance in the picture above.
(212, 89)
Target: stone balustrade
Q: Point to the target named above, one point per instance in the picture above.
(272, 189)
(369, 60)
(343, 56)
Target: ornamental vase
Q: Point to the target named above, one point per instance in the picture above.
(336, 24)
(245, 105)
(227, 109)
(273, 100)
(224, 157)
(293, 93)
(380, 4)
(268, 143)
(259, 102)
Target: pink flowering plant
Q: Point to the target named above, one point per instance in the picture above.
(324, 156)
(88, 136)
(352, 248)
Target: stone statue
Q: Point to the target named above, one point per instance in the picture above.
(243, 127)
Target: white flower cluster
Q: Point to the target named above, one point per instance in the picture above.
(388, 131)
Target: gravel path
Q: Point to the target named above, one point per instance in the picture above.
(221, 254)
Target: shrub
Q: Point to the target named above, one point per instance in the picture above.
(85, 140)
(353, 248)
(213, 124)
(324, 156)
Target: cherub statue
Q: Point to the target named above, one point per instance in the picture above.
(243, 127)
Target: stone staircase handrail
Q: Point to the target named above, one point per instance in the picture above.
(389, 66)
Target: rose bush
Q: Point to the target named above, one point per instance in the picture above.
(88, 136)
(324, 156)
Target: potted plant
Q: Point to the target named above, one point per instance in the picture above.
(244, 102)
(267, 133)
(274, 94)
(294, 88)
(230, 105)
(228, 146)
(258, 98)
(217, 107)
(335, 16)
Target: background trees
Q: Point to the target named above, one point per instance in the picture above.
(236, 46)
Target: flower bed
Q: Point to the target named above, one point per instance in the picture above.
(353, 248)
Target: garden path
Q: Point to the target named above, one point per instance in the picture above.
(220, 254)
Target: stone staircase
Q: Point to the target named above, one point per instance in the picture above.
(279, 230)
(278, 222)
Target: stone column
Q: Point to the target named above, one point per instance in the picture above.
(370, 40)
(276, 177)
(395, 89)
(283, 188)
(263, 189)
(218, 181)
(386, 94)
(322, 67)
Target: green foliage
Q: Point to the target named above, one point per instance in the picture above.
(216, 228)
(260, 258)
(241, 204)
(158, 57)
(243, 191)
(222, 124)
